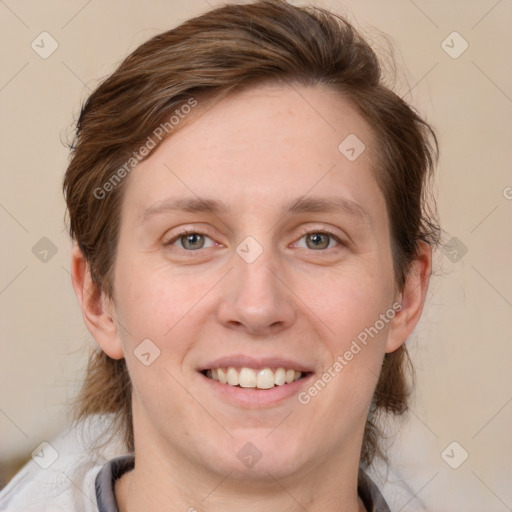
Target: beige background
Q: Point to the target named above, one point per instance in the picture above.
(462, 348)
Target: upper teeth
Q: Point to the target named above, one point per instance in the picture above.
(263, 378)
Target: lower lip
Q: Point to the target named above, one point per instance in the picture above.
(250, 397)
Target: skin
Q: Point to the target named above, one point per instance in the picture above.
(255, 150)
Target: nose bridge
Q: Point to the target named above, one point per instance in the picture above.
(257, 298)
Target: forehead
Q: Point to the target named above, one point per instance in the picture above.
(271, 120)
(259, 146)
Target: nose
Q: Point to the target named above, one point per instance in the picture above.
(256, 298)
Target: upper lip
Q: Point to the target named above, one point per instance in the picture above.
(241, 361)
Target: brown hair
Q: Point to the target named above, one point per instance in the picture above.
(228, 48)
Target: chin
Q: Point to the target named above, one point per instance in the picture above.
(260, 456)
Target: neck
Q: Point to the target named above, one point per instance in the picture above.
(158, 485)
(177, 473)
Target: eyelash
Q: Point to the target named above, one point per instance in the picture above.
(302, 235)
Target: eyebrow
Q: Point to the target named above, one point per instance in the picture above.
(297, 206)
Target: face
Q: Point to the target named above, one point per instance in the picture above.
(252, 249)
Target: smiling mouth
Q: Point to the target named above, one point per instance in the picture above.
(264, 378)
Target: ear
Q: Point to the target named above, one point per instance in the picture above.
(412, 298)
(97, 311)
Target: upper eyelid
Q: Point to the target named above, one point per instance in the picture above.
(327, 231)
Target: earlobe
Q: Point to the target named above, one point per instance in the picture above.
(97, 311)
(412, 298)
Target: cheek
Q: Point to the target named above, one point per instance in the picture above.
(351, 307)
(158, 328)
(153, 304)
(355, 348)
(147, 300)
(348, 301)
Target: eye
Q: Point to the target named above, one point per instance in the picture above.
(318, 240)
(190, 241)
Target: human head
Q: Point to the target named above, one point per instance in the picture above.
(229, 49)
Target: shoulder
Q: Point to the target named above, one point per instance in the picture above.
(67, 485)
(63, 479)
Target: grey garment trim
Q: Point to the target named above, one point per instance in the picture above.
(113, 469)
(105, 481)
(370, 494)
